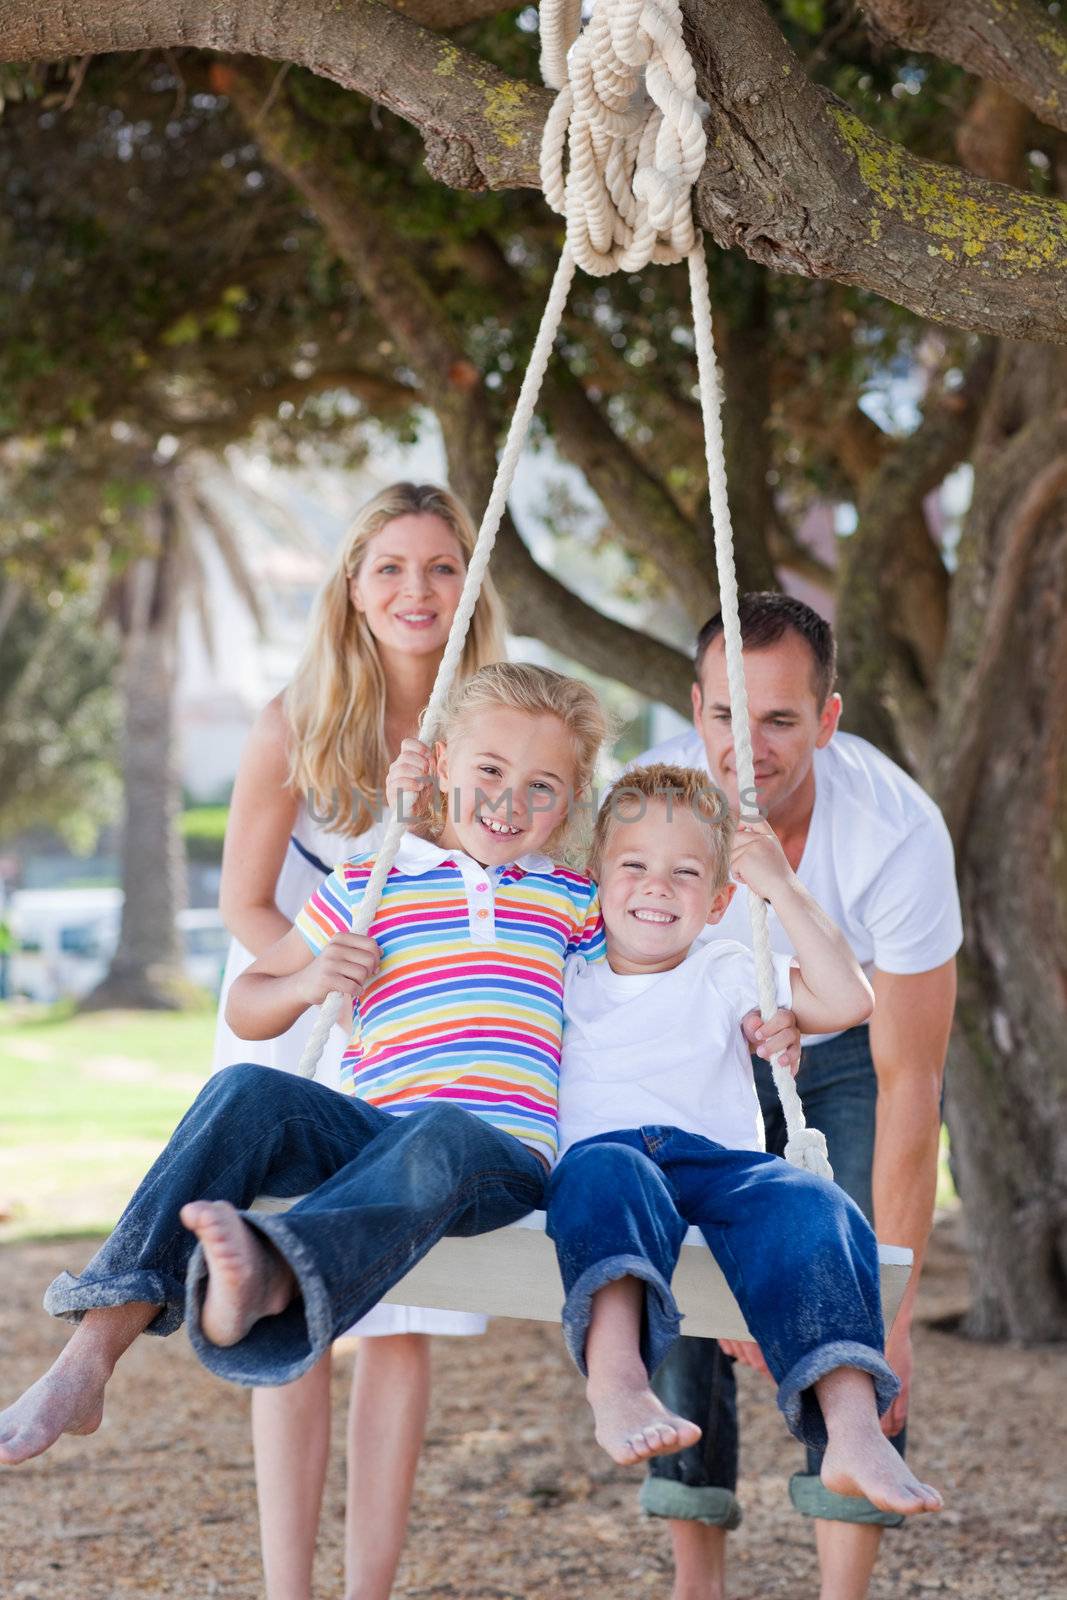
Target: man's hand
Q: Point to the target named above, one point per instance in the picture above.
(779, 1037)
(898, 1354)
(347, 964)
(749, 1354)
(757, 859)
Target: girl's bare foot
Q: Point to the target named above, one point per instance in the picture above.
(247, 1278)
(68, 1399)
(859, 1459)
(70, 1396)
(632, 1425)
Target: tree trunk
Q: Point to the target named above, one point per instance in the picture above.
(1000, 774)
(146, 970)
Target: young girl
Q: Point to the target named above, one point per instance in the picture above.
(662, 1129)
(303, 802)
(453, 1062)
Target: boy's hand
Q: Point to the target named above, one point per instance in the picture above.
(778, 1037)
(347, 964)
(758, 860)
(411, 774)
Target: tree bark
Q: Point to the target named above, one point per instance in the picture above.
(1021, 46)
(453, 387)
(1000, 775)
(146, 970)
(794, 178)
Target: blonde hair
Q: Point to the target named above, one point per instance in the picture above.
(536, 692)
(335, 704)
(685, 787)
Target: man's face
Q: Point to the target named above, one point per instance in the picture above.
(788, 725)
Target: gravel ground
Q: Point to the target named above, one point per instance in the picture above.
(513, 1498)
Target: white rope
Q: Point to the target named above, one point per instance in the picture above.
(457, 635)
(628, 111)
(631, 120)
(805, 1147)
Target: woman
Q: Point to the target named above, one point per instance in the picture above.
(310, 778)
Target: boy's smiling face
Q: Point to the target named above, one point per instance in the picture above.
(658, 886)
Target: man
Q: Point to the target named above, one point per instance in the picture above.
(874, 851)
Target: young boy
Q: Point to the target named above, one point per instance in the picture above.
(661, 1129)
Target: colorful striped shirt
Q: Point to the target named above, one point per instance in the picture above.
(467, 1004)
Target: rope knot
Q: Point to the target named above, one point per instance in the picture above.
(630, 119)
(807, 1149)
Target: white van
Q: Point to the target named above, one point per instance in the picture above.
(65, 938)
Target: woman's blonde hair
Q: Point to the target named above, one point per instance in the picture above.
(537, 692)
(335, 704)
(684, 787)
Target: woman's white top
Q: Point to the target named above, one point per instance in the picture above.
(665, 1049)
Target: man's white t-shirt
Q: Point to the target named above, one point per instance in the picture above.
(878, 860)
(663, 1049)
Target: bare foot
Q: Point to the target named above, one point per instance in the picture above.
(632, 1425)
(868, 1466)
(68, 1399)
(247, 1279)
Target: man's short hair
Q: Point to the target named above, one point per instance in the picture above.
(767, 617)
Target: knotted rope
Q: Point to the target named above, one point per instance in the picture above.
(629, 114)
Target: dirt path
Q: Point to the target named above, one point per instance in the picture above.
(514, 1500)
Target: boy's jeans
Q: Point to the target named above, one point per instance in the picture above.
(839, 1090)
(383, 1190)
(798, 1254)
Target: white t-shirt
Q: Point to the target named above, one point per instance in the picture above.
(878, 860)
(665, 1049)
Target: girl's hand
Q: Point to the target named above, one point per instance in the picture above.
(347, 964)
(778, 1037)
(757, 859)
(411, 775)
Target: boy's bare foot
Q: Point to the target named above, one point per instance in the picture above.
(859, 1459)
(871, 1468)
(247, 1278)
(68, 1399)
(632, 1425)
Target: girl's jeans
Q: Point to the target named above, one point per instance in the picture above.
(383, 1190)
(798, 1254)
(839, 1091)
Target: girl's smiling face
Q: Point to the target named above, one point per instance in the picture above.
(508, 780)
(409, 583)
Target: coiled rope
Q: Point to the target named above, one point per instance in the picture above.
(630, 121)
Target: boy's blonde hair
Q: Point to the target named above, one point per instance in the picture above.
(537, 692)
(335, 705)
(682, 787)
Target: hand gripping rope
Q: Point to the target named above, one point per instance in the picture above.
(630, 120)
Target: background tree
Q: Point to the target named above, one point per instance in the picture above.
(273, 256)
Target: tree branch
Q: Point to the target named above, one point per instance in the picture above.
(794, 178)
(1021, 46)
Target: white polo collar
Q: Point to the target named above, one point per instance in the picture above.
(417, 856)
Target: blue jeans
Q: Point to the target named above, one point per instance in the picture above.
(799, 1256)
(839, 1091)
(383, 1190)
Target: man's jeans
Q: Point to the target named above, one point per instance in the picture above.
(839, 1092)
(379, 1191)
(798, 1255)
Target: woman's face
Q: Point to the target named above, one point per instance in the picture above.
(409, 583)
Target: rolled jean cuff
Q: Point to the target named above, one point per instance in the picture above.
(812, 1499)
(70, 1297)
(690, 1502)
(277, 1349)
(796, 1394)
(659, 1325)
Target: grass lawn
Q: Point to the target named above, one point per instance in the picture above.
(86, 1103)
